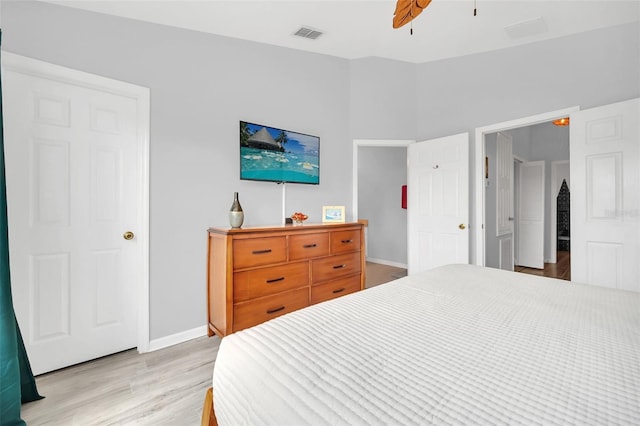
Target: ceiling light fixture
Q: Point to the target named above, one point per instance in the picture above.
(407, 10)
(561, 121)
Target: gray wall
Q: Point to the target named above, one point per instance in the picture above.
(590, 69)
(383, 99)
(521, 140)
(381, 173)
(202, 85)
(382, 106)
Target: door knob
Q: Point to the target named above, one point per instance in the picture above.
(128, 235)
(462, 226)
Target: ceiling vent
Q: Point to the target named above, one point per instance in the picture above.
(308, 33)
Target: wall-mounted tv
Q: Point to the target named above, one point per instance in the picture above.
(278, 155)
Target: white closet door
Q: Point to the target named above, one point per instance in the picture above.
(73, 185)
(605, 195)
(531, 215)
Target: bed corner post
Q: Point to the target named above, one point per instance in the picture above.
(208, 415)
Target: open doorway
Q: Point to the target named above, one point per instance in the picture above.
(537, 157)
(380, 171)
(535, 139)
(437, 213)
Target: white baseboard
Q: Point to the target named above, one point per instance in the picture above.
(387, 262)
(174, 339)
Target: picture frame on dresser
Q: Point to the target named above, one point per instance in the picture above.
(333, 214)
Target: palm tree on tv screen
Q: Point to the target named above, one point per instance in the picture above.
(245, 133)
(282, 138)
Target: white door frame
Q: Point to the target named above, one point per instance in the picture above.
(141, 95)
(479, 142)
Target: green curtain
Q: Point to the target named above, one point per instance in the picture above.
(17, 384)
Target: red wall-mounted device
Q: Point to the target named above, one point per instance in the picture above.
(404, 196)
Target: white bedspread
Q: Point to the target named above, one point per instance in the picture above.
(456, 345)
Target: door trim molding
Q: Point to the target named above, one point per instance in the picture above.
(141, 95)
(478, 170)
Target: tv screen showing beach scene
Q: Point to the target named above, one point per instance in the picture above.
(277, 155)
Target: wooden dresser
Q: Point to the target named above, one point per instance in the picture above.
(256, 274)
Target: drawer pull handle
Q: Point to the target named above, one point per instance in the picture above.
(309, 245)
(340, 266)
(340, 290)
(261, 251)
(275, 280)
(346, 241)
(273, 311)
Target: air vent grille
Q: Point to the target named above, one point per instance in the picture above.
(308, 33)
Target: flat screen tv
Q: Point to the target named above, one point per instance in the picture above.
(278, 155)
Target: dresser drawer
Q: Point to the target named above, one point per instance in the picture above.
(259, 251)
(345, 241)
(333, 289)
(254, 312)
(269, 280)
(306, 246)
(329, 268)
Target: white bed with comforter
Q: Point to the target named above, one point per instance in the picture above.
(458, 344)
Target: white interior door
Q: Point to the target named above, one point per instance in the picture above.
(438, 202)
(504, 199)
(605, 191)
(531, 214)
(73, 189)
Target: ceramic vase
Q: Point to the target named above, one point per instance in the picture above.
(236, 215)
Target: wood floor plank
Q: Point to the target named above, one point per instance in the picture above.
(377, 273)
(561, 269)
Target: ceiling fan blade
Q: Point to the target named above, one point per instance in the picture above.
(407, 10)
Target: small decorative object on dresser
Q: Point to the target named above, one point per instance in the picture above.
(298, 218)
(256, 274)
(236, 215)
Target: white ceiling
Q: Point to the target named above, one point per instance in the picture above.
(357, 29)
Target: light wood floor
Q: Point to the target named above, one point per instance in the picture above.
(377, 273)
(165, 387)
(561, 269)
